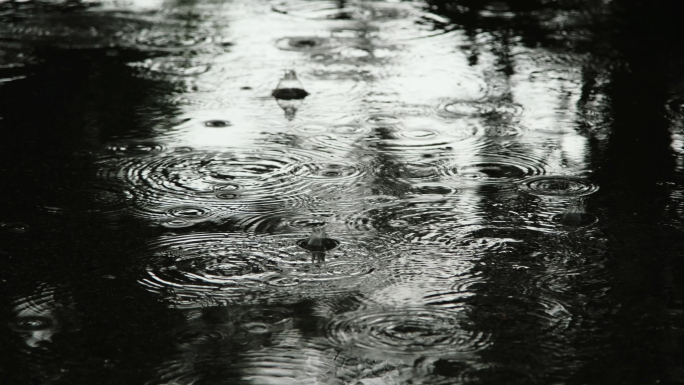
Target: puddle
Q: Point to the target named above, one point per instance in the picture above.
(341, 192)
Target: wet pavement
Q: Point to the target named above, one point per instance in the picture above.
(341, 192)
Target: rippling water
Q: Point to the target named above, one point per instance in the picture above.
(341, 192)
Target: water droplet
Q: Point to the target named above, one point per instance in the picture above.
(325, 244)
(289, 87)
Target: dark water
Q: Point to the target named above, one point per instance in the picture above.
(341, 192)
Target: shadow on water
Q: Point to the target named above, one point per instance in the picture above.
(460, 192)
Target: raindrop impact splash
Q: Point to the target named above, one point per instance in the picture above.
(318, 243)
(289, 94)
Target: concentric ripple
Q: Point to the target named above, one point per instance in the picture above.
(224, 181)
(495, 169)
(239, 268)
(556, 185)
(406, 332)
(476, 108)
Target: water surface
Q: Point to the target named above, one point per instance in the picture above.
(341, 192)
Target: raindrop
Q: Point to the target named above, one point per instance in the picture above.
(289, 87)
(289, 94)
(239, 268)
(318, 243)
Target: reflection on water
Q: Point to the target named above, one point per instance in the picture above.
(341, 192)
